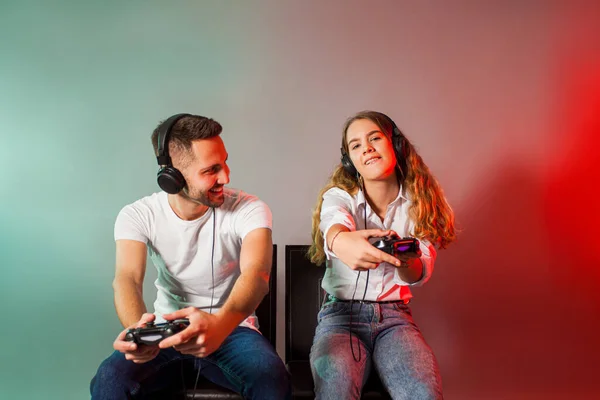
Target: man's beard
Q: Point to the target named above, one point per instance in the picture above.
(203, 198)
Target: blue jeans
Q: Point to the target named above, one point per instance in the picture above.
(245, 363)
(389, 340)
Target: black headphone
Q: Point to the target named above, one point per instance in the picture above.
(169, 178)
(397, 137)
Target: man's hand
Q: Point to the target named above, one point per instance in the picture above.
(203, 336)
(354, 249)
(137, 353)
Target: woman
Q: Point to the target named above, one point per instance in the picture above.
(382, 188)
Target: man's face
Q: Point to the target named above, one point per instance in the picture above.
(207, 172)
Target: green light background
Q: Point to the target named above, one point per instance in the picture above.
(83, 84)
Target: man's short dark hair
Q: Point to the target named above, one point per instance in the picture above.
(186, 130)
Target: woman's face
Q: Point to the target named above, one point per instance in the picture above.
(370, 150)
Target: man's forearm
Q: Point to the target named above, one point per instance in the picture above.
(129, 301)
(246, 295)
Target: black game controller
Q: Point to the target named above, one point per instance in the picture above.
(396, 246)
(153, 333)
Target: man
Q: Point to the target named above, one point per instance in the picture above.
(212, 248)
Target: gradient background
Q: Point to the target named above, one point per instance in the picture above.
(501, 97)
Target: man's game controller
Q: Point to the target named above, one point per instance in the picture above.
(395, 246)
(153, 333)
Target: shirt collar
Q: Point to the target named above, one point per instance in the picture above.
(360, 197)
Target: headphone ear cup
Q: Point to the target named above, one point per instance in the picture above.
(348, 166)
(399, 150)
(170, 180)
(397, 141)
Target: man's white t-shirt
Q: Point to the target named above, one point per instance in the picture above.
(182, 250)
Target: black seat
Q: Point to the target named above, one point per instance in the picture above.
(303, 299)
(205, 389)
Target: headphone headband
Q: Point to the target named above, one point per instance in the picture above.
(169, 178)
(395, 129)
(164, 132)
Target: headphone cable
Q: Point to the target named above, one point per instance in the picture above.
(364, 293)
(212, 267)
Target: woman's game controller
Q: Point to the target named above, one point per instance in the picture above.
(395, 246)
